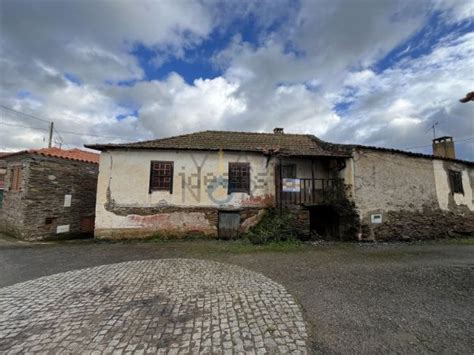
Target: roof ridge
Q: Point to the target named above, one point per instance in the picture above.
(162, 139)
(75, 154)
(258, 133)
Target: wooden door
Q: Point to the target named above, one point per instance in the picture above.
(229, 225)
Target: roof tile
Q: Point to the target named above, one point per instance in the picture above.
(70, 154)
(285, 144)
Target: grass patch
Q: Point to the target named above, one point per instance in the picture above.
(186, 237)
(457, 241)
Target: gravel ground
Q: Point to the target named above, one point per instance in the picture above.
(357, 298)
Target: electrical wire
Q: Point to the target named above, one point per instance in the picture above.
(57, 131)
(61, 131)
(24, 114)
(429, 145)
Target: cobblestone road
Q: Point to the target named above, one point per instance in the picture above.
(171, 306)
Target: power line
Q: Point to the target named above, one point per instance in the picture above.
(426, 146)
(57, 131)
(24, 114)
(61, 139)
(90, 135)
(18, 125)
(61, 131)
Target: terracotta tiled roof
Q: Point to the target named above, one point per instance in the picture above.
(70, 154)
(282, 143)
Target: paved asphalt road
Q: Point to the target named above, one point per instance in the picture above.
(357, 298)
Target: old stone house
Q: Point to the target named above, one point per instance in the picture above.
(49, 193)
(218, 183)
(3, 170)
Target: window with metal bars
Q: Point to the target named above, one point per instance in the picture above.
(161, 176)
(239, 177)
(455, 180)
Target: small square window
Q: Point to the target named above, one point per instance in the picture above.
(161, 176)
(455, 180)
(239, 177)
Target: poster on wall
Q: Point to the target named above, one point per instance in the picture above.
(291, 185)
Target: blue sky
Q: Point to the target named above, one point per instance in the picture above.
(424, 40)
(368, 72)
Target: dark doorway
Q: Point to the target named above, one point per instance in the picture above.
(324, 222)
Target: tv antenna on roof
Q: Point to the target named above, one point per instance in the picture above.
(433, 127)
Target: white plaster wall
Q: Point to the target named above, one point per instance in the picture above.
(348, 175)
(443, 189)
(385, 181)
(200, 179)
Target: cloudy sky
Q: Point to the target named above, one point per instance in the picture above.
(376, 72)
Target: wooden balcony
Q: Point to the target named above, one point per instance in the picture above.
(307, 191)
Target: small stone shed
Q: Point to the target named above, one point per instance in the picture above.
(3, 170)
(49, 193)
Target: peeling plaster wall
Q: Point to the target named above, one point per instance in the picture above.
(443, 190)
(124, 203)
(412, 194)
(391, 182)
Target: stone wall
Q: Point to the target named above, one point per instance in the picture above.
(12, 212)
(427, 224)
(3, 166)
(173, 222)
(411, 195)
(41, 209)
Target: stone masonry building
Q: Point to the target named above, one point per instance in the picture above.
(220, 183)
(3, 170)
(49, 193)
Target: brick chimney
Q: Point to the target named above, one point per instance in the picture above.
(444, 147)
(278, 130)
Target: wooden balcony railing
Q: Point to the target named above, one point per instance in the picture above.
(307, 191)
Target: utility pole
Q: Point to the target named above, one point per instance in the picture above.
(51, 128)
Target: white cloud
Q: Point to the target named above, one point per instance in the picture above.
(294, 74)
(455, 11)
(397, 107)
(175, 107)
(93, 42)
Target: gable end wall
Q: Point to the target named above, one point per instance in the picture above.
(412, 195)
